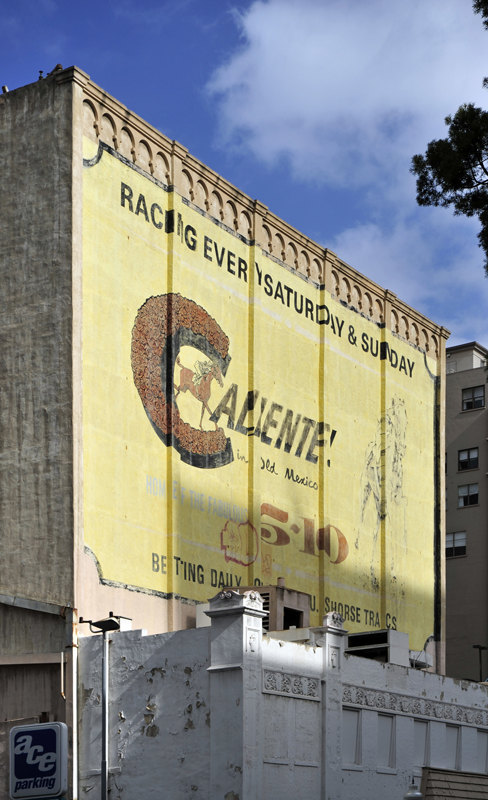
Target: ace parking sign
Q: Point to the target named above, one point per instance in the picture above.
(39, 760)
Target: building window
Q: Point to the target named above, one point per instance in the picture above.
(468, 459)
(473, 398)
(452, 760)
(468, 495)
(386, 741)
(455, 544)
(420, 741)
(351, 736)
(482, 748)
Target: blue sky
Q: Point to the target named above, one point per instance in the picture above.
(314, 107)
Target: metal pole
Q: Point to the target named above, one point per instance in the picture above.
(480, 648)
(105, 717)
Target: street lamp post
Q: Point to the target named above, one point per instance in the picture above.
(104, 626)
(480, 648)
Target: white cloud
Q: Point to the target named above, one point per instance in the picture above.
(348, 90)
(431, 261)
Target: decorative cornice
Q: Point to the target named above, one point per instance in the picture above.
(287, 685)
(171, 163)
(413, 706)
(72, 74)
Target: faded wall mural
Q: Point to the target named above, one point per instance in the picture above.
(241, 424)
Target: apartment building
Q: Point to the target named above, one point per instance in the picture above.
(466, 511)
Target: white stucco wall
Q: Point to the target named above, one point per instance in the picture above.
(159, 714)
(221, 713)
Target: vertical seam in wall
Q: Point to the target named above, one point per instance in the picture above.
(170, 534)
(383, 503)
(437, 516)
(251, 494)
(77, 339)
(76, 272)
(322, 465)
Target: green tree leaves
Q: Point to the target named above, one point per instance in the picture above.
(454, 171)
(481, 7)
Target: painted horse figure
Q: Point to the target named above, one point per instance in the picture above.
(198, 382)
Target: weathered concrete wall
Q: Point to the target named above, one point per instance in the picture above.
(29, 690)
(410, 695)
(222, 712)
(30, 693)
(159, 715)
(36, 449)
(25, 631)
(95, 598)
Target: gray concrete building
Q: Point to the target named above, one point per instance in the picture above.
(466, 511)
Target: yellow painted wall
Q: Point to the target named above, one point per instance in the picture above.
(173, 508)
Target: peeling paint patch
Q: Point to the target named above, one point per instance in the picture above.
(207, 719)
(189, 726)
(86, 694)
(231, 796)
(160, 670)
(152, 730)
(153, 671)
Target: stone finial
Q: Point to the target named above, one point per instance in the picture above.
(333, 620)
(229, 602)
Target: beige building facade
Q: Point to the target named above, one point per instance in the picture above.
(64, 514)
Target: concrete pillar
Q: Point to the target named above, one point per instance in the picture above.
(178, 156)
(236, 751)
(259, 215)
(330, 262)
(388, 301)
(332, 638)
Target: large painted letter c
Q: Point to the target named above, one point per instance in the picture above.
(163, 325)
